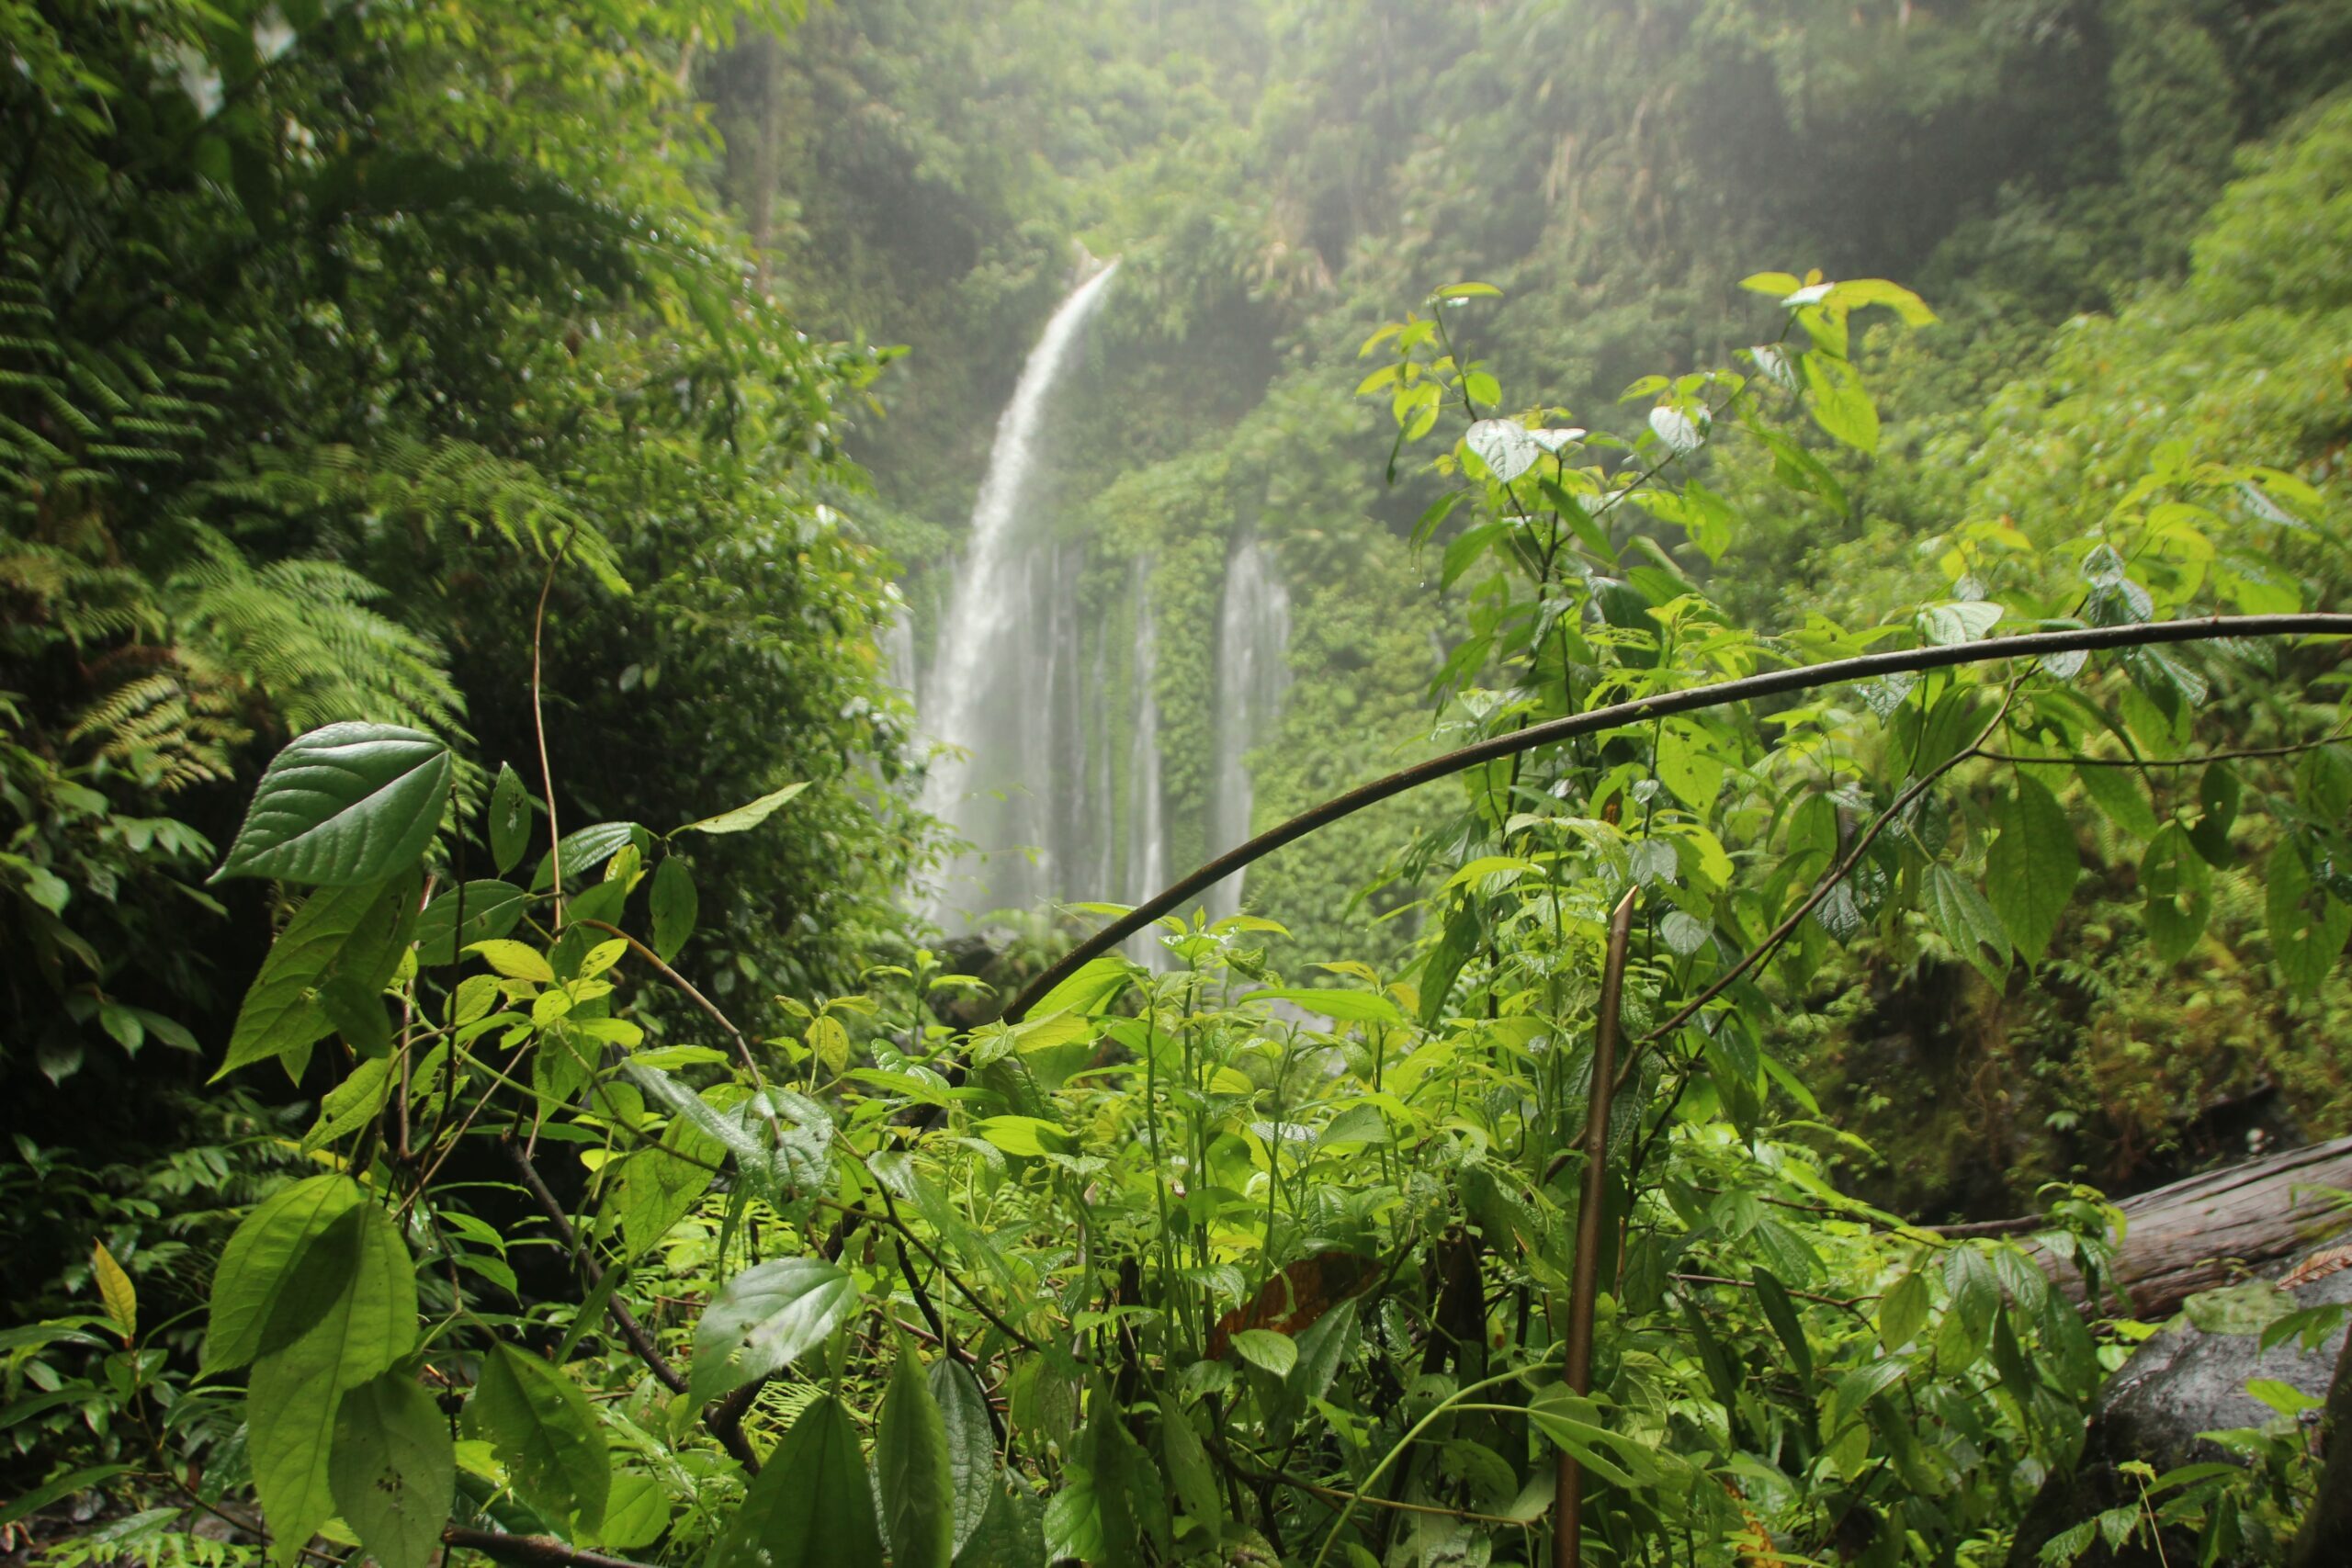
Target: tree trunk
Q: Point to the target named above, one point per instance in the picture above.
(2207, 1230)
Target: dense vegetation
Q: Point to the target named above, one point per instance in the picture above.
(473, 1084)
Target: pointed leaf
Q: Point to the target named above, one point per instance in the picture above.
(745, 817)
(1505, 445)
(492, 910)
(971, 1444)
(913, 1471)
(116, 1291)
(675, 904)
(2030, 871)
(510, 820)
(354, 933)
(543, 1432)
(393, 1471)
(348, 804)
(811, 1506)
(262, 1257)
(766, 1318)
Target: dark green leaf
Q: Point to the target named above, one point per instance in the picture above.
(1781, 1314)
(971, 1443)
(2179, 887)
(348, 804)
(492, 910)
(914, 1470)
(675, 904)
(1967, 921)
(510, 820)
(2030, 871)
(544, 1433)
(2308, 924)
(354, 933)
(394, 1470)
(811, 1506)
(767, 1317)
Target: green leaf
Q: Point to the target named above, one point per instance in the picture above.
(1841, 405)
(2179, 889)
(1265, 1348)
(1780, 1312)
(1958, 621)
(294, 1393)
(766, 1318)
(2308, 924)
(516, 959)
(65, 1485)
(355, 933)
(1506, 448)
(745, 817)
(1572, 1424)
(116, 1293)
(2121, 796)
(1347, 1006)
(1903, 1312)
(351, 1104)
(636, 1514)
(675, 904)
(2217, 798)
(971, 1444)
(263, 1255)
(657, 1186)
(912, 1470)
(510, 820)
(492, 910)
(2030, 871)
(811, 1506)
(582, 852)
(393, 1471)
(543, 1432)
(1189, 1479)
(1968, 922)
(1093, 988)
(348, 804)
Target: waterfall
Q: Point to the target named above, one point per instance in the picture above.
(1009, 678)
(1253, 633)
(1145, 817)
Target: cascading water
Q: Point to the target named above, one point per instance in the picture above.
(1253, 636)
(1009, 679)
(1147, 816)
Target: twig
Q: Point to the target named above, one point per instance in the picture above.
(539, 728)
(530, 1551)
(1332, 1493)
(625, 1320)
(742, 1045)
(2248, 753)
(1842, 1303)
(1584, 1284)
(1639, 710)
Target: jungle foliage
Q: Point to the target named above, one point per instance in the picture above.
(401, 394)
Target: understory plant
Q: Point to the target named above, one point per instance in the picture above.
(1527, 1252)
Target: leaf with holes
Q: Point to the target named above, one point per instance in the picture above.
(394, 1470)
(541, 1429)
(348, 804)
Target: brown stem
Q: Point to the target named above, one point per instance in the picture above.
(1584, 1284)
(530, 1551)
(742, 1045)
(539, 730)
(1641, 710)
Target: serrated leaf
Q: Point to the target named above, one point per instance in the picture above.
(745, 817)
(767, 1317)
(1506, 448)
(394, 1470)
(545, 1436)
(971, 1444)
(1967, 921)
(811, 1506)
(355, 933)
(348, 804)
(2031, 869)
(913, 1471)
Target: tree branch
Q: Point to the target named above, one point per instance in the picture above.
(1617, 716)
(530, 1551)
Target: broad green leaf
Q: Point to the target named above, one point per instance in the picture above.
(348, 804)
(582, 852)
(510, 820)
(262, 1257)
(657, 1186)
(516, 959)
(1572, 1424)
(1967, 921)
(764, 1319)
(2121, 796)
(1265, 1348)
(1093, 988)
(811, 1506)
(394, 1470)
(540, 1427)
(1347, 1006)
(2179, 889)
(1855, 1388)
(1948, 624)
(2217, 801)
(1780, 1312)
(637, 1514)
(116, 1291)
(1840, 405)
(675, 906)
(745, 817)
(295, 1390)
(2030, 871)
(914, 1470)
(351, 1104)
(1506, 448)
(492, 910)
(352, 933)
(971, 1444)
(1189, 1479)
(2308, 924)
(1903, 1312)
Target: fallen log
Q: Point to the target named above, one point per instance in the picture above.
(2209, 1230)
